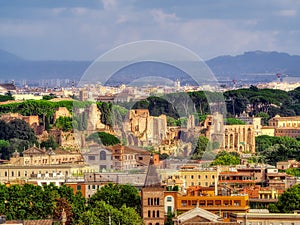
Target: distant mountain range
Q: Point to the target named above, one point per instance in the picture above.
(250, 66)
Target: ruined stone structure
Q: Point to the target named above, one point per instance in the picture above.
(94, 123)
(65, 139)
(148, 129)
(239, 138)
(61, 111)
(33, 121)
(214, 127)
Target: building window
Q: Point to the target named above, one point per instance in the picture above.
(102, 167)
(192, 176)
(91, 157)
(5, 173)
(12, 173)
(169, 209)
(157, 213)
(169, 199)
(199, 177)
(153, 213)
(102, 155)
(156, 201)
(78, 187)
(149, 213)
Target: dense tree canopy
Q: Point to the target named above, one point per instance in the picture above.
(103, 138)
(233, 121)
(15, 135)
(36, 202)
(227, 158)
(118, 203)
(6, 97)
(118, 195)
(64, 123)
(275, 149)
(288, 201)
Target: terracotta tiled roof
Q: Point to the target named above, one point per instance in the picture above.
(37, 222)
(34, 150)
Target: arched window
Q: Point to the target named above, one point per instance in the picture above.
(149, 213)
(157, 224)
(157, 213)
(153, 213)
(150, 223)
(102, 155)
(149, 202)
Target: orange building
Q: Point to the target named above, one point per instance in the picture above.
(223, 203)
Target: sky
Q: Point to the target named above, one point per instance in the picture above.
(86, 29)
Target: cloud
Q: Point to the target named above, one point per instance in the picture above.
(80, 31)
(58, 11)
(289, 12)
(79, 11)
(109, 4)
(161, 17)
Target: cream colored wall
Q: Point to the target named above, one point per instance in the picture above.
(198, 178)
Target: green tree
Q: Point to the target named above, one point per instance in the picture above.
(90, 218)
(200, 147)
(170, 217)
(103, 138)
(49, 97)
(233, 121)
(64, 123)
(117, 195)
(293, 171)
(275, 149)
(288, 201)
(264, 117)
(227, 158)
(4, 152)
(7, 97)
(21, 130)
(49, 143)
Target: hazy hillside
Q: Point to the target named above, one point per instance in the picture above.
(257, 62)
(250, 66)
